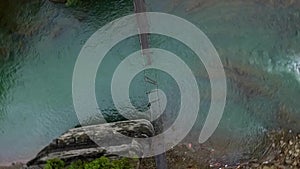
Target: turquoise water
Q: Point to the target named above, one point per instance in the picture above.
(258, 44)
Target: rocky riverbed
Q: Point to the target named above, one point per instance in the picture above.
(282, 151)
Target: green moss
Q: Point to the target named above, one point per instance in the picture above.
(54, 164)
(100, 163)
(72, 2)
(76, 165)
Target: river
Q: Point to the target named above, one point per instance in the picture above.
(258, 43)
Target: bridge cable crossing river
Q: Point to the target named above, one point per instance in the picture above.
(140, 7)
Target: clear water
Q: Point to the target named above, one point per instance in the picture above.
(40, 41)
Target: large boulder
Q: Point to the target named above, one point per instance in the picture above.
(77, 143)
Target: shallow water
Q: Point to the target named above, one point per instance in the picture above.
(258, 44)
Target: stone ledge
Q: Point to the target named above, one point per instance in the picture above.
(76, 143)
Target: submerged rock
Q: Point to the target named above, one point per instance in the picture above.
(78, 143)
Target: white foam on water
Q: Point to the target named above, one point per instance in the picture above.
(289, 65)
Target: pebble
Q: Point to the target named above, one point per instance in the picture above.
(288, 161)
(295, 163)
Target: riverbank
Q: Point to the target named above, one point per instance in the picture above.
(13, 166)
(282, 151)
